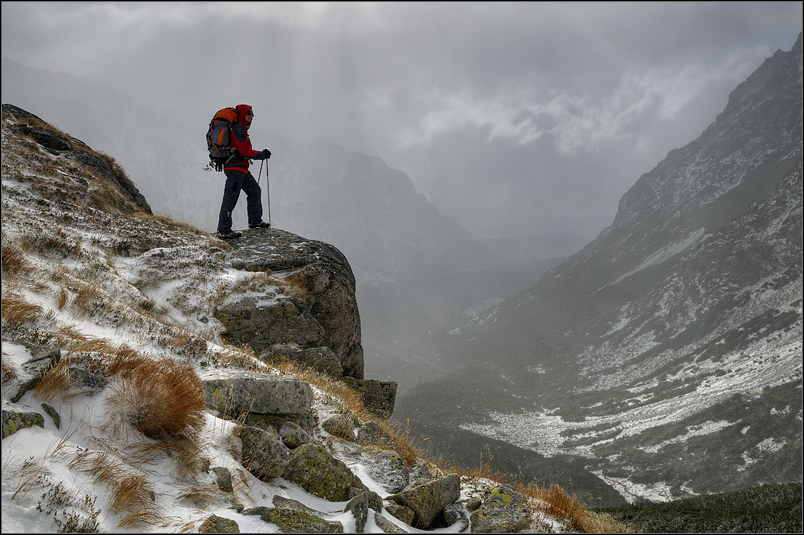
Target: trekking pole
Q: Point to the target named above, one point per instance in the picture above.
(268, 191)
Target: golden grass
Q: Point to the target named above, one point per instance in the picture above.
(16, 309)
(84, 296)
(298, 281)
(560, 504)
(55, 382)
(129, 492)
(162, 399)
(13, 259)
(9, 371)
(243, 357)
(62, 300)
(200, 496)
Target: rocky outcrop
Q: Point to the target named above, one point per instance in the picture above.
(327, 316)
(316, 324)
(281, 430)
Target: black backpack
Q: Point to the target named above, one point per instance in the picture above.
(218, 135)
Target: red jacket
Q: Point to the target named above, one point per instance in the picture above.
(240, 141)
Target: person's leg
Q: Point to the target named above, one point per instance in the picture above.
(253, 201)
(231, 192)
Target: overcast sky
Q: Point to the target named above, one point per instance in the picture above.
(517, 118)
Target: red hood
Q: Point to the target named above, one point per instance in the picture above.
(242, 110)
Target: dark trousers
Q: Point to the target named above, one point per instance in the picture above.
(236, 181)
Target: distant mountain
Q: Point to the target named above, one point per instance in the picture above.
(666, 356)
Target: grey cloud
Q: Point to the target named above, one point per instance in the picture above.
(514, 117)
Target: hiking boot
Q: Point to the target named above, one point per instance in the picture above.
(261, 224)
(231, 235)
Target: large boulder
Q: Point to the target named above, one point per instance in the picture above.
(503, 511)
(295, 521)
(379, 397)
(265, 324)
(325, 278)
(319, 473)
(265, 399)
(429, 500)
(264, 453)
(13, 421)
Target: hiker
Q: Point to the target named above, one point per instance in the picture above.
(239, 178)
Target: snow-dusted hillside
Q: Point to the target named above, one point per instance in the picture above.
(666, 357)
(90, 274)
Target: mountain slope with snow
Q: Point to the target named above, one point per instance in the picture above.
(665, 357)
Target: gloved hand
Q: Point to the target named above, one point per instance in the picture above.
(264, 154)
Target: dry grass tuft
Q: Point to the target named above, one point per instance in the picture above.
(143, 516)
(55, 382)
(189, 460)
(9, 370)
(84, 296)
(62, 298)
(298, 281)
(13, 259)
(129, 492)
(560, 504)
(132, 492)
(17, 310)
(594, 522)
(162, 399)
(91, 345)
(243, 357)
(201, 496)
(566, 507)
